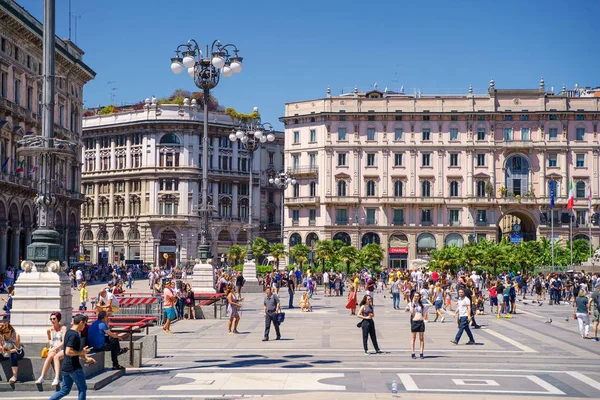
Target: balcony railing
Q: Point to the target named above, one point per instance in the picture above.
(302, 200)
(398, 222)
(312, 222)
(304, 171)
(426, 223)
(371, 222)
(341, 222)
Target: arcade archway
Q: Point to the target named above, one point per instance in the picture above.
(516, 227)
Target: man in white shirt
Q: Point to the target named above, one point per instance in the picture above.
(79, 277)
(326, 284)
(476, 279)
(463, 309)
(107, 302)
(419, 279)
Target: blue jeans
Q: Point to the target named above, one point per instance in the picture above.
(396, 300)
(291, 305)
(463, 326)
(14, 358)
(77, 377)
(129, 283)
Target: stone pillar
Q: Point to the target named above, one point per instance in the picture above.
(127, 210)
(3, 249)
(128, 154)
(470, 173)
(66, 243)
(97, 166)
(37, 295)
(565, 174)
(234, 203)
(111, 200)
(15, 248)
(215, 154)
(202, 278)
(113, 154)
(543, 186)
(96, 200)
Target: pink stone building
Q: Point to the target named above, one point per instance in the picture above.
(416, 172)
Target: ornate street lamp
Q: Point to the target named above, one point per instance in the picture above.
(206, 70)
(281, 181)
(251, 133)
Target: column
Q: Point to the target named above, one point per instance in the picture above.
(594, 178)
(113, 154)
(234, 204)
(565, 174)
(143, 204)
(236, 155)
(96, 200)
(356, 176)
(328, 156)
(97, 166)
(153, 209)
(128, 154)
(184, 207)
(542, 182)
(385, 180)
(3, 249)
(470, 173)
(67, 250)
(15, 248)
(440, 173)
(156, 253)
(126, 246)
(27, 238)
(111, 200)
(412, 184)
(127, 206)
(215, 199)
(215, 154)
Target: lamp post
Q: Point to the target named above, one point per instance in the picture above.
(281, 181)
(206, 70)
(251, 133)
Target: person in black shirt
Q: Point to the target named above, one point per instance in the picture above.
(239, 283)
(72, 371)
(291, 290)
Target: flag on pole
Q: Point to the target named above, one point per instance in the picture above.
(4, 163)
(32, 171)
(590, 197)
(21, 167)
(571, 201)
(552, 185)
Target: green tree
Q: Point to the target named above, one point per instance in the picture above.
(235, 254)
(324, 252)
(581, 250)
(494, 255)
(371, 255)
(300, 253)
(348, 255)
(448, 257)
(260, 247)
(278, 251)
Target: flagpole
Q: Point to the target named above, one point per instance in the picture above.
(552, 235)
(571, 236)
(590, 231)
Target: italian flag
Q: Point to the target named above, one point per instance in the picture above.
(21, 167)
(571, 201)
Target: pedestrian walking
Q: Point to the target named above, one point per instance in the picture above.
(417, 324)
(366, 313)
(169, 306)
(351, 304)
(291, 290)
(463, 310)
(395, 291)
(234, 303)
(271, 308)
(71, 370)
(582, 311)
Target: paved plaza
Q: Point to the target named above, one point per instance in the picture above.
(321, 354)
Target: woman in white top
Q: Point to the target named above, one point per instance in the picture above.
(56, 334)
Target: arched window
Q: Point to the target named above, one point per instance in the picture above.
(102, 236)
(580, 190)
(480, 188)
(224, 236)
(118, 236)
(243, 208)
(296, 190)
(425, 189)
(344, 237)
(295, 239)
(370, 188)
(517, 175)
(313, 189)
(170, 139)
(88, 236)
(134, 234)
(341, 188)
(398, 189)
(453, 189)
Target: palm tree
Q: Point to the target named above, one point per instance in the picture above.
(300, 253)
(371, 254)
(235, 254)
(278, 251)
(324, 252)
(260, 247)
(348, 255)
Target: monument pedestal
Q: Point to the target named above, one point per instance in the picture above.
(251, 285)
(37, 295)
(202, 279)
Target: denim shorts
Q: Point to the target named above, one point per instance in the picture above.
(438, 304)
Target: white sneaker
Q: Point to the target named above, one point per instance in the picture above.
(55, 382)
(443, 319)
(40, 381)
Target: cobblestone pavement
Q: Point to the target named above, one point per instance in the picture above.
(320, 356)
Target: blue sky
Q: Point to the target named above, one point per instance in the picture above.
(294, 50)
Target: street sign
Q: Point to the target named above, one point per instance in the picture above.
(516, 237)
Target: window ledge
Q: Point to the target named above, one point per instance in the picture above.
(399, 141)
(371, 166)
(342, 140)
(398, 166)
(427, 166)
(343, 166)
(454, 167)
(583, 167)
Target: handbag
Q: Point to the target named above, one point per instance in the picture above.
(188, 301)
(280, 317)
(574, 316)
(359, 325)
(45, 351)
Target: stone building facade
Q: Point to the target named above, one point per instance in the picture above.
(415, 172)
(142, 181)
(20, 115)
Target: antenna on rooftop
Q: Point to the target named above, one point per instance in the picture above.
(113, 92)
(75, 18)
